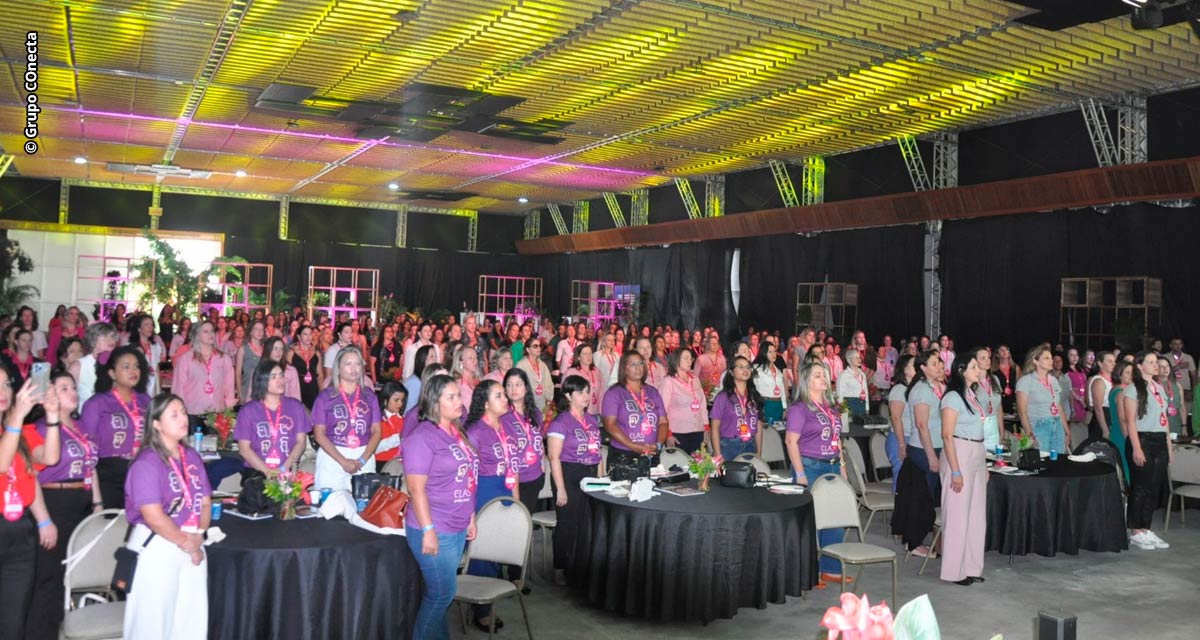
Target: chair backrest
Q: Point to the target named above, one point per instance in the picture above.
(504, 529)
(854, 461)
(547, 491)
(1186, 468)
(231, 483)
(672, 456)
(760, 466)
(93, 571)
(834, 504)
(772, 447)
(602, 470)
(879, 451)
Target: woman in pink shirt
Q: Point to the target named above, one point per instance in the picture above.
(711, 365)
(687, 412)
(204, 375)
(585, 367)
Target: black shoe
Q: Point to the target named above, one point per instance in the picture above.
(526, 590)
(484, 628)
(966, 582)
(976, 579)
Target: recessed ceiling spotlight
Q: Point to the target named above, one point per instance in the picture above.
(80, 160)
(522, 199)
(241, 173)
(393, 186)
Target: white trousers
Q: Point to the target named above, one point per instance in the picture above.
(169, 598)
(330, 475)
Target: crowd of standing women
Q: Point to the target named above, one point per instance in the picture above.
(481, 411)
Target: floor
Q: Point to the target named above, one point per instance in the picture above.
(1135, 594)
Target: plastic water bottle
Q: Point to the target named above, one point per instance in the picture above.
(197, 437)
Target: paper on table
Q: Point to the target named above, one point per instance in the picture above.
(1087, 457)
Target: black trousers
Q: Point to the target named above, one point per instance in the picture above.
(573, 516)
(1147, 483)
(111, 472)
(67, 507)
(690, 442)
(17, 543)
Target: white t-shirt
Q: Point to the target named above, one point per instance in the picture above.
(852, 383)
(39, 346)
(769, 386)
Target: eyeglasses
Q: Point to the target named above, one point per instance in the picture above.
(742, 367)
(635, 365)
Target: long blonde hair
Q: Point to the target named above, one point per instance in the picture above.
(1031, 358)
(806, 373)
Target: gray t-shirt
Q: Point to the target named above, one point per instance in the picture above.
(906, 417)
(969, 423)
(1155, 420)
(1040, 399)
(922, 393)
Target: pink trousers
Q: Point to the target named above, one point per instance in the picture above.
(964, 513)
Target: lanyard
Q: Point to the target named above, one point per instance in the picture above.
(273, 425)
(835, 422)
(971, 398)
(526, 428)
(351, 409)
(81, 439)
(691, 385)
(743, 402)
(134, 414)
(177, 468)
(586, 428)
(640, 402)
(1157, 397)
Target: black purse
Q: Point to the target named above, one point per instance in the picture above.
(364, 485)
(739, 475)
(253, 499)
(127, 559)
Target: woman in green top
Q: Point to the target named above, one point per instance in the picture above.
(1176, 407)
(1122, 377)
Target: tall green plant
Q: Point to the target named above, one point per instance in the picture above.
(14, 260)
(168, 277)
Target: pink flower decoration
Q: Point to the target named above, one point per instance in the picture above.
(857, 620)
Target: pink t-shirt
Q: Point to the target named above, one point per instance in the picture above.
(204, 387)
(687, 410)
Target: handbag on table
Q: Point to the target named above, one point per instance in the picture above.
(386, 508)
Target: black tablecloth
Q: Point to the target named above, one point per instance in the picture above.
(1065, 507)
(696, 558)
(311, 578)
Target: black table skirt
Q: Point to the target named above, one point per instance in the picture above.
(696, 558)
(310, 579)
(1066, 507)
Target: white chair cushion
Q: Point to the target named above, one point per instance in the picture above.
(1188, 490)
(547, 519)
(478, 590)
(879, 501)
(857, 552)
(879, 487)
(95, 622)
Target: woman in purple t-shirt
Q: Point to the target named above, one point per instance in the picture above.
(345, 421)
(270, 428)
(442, 472)
(523, 422)
(634, 416)
(168, 504)
(115, 419)
(574, 439)
(498, 466)
(814, 444)
(736, 413)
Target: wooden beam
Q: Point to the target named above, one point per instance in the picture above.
(1151, 181)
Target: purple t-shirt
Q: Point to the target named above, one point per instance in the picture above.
(531, 447)
(452, 470)
(581, 442)
(497, 448)
(820, 437)
(77, 460)
(110, 426)
(330, 409)
(730, 412)
(641, 429)
(152, 481)
(254, 423)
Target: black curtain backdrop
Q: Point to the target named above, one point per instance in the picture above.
(884, 262)
(1001, 276)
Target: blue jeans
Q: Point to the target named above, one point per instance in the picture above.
(734, 447)
(439, 573)
(814, 469)
(921, 459)
(1049, 434)
(892, 447)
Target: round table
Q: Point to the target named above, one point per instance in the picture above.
(311, 578)
(1066, 506)
(697, 557)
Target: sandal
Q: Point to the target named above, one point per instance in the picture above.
(484, 628)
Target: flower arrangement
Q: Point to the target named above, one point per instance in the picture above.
(704, 465)
(856, 619)
(222, 422)
(284, 489)
(1023, 442)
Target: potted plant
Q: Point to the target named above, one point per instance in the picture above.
(704, 465)
(284, 489)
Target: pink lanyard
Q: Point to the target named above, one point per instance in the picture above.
(177, 468)
(351, 409)
(593, 441)
(273, 425)
(971, 398)
(209, 387)
(691, 385)
(834, 422)
(1050, 390)
(640, 402)
(1162, 405)
(135, 415)
(81, 439)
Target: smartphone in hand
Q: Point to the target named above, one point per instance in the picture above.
(40, 374)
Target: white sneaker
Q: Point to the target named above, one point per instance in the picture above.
(1157, 541)
(1142, 541)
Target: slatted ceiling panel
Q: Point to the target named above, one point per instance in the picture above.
(255, 59)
